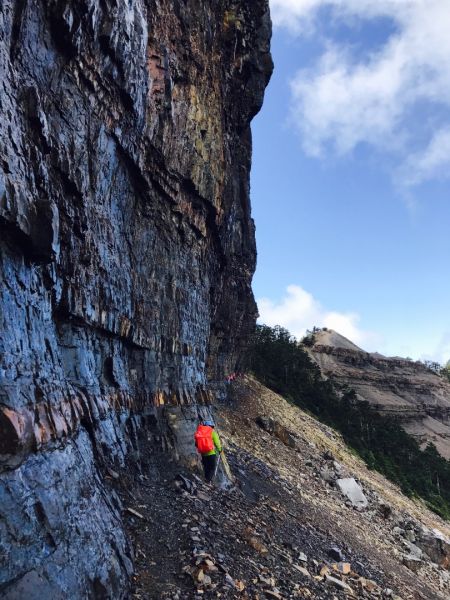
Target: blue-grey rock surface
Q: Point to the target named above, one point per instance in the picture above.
(126, 256)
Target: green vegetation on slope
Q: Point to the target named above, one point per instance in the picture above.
(280, 363)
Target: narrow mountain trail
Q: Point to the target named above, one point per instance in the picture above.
(281, 531)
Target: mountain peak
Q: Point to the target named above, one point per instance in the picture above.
(329, 337)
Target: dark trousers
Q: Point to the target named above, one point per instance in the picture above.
(209, 466)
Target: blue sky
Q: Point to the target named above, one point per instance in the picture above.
(350, 176)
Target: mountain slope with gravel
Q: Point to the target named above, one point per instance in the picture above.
(289, 525)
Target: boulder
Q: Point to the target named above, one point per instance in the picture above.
(328, 474)
(276, 429)
(353, 491)
(385, 510)
(414, 550)
(435, 545)
(412, 562)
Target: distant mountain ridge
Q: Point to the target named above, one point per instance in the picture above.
(397, 386)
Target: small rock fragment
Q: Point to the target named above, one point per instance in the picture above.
(273, 594)
(367, 584)
(328, 474)
(336, 554)
(409, 535)
(342, 567)
(210, 566)
(113, 474)
(202, 496)
(337, 583)
(258, 545)
(324, 570)
(269, 581)
(385, 510)
(200, 576)
(185, 483)
(302, 570)
(135, 513)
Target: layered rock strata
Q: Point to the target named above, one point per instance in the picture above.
(398, 387)
(126, 256)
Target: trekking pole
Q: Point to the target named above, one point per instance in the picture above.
(226, 468)
(217, 466)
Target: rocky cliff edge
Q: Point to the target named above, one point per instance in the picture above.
(126, 256)
(408, 390)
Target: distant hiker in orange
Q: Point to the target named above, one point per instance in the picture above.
(207, 442)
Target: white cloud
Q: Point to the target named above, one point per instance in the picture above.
(433, 162)
(345, 99)
(299, 311)
(440, 352)
(293, 14)
(344, 105)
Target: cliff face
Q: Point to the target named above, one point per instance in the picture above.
(405, 389)
(126, 256)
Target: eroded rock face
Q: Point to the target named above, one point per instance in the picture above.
(126, 255)
(394, 386)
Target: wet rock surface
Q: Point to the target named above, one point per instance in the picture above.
(126, 255)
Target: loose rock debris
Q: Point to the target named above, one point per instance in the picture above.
(271, 535)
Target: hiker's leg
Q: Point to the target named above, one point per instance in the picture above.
(205, 466)
(213, 465)
(209, 464)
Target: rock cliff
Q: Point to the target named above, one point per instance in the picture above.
(126, 256)
(405, 389)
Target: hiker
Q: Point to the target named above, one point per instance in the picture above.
(207, 442)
